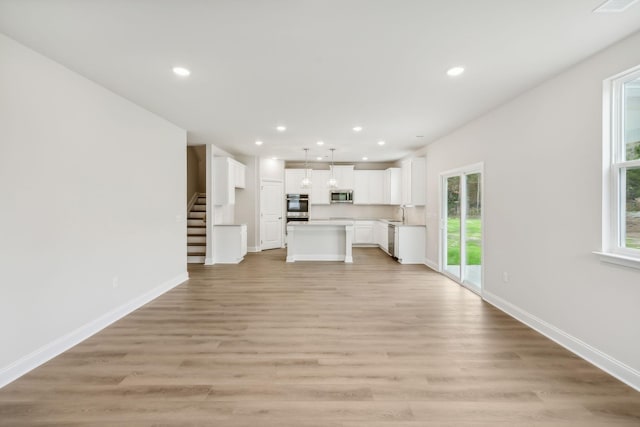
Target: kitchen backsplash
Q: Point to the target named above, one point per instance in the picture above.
(414, 215)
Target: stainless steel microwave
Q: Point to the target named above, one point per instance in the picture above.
(341, 196)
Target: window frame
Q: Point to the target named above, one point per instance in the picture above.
(614, 186)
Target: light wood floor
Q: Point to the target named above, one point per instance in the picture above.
(267, 343)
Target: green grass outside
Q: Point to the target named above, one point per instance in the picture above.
(474, 240)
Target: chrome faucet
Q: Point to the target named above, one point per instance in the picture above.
(403, 208)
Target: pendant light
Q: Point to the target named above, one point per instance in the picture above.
(306, 182)
(332, 183)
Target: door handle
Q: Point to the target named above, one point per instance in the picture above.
(279, 217)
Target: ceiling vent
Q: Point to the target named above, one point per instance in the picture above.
(614, 6)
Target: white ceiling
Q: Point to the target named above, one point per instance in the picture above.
(318, 67)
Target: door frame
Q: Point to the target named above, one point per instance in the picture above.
(462, 172)
(282, 212)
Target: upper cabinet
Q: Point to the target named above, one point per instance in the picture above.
(293, 181)
(368, 188)
(229, 175)
(393, 186)
(414, 181)
(240, 174)
(345, 177)
(378, 187)
(320, 188)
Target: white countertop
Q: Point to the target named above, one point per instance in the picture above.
(395, 222)
(314, 222)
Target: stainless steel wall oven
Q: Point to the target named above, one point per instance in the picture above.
(297, 207)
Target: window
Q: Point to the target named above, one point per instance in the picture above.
(621, 231)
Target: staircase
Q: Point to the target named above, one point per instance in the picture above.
(197, 231)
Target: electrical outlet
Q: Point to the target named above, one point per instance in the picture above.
(115, 282)
(505, 277)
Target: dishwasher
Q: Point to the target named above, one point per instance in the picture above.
(391, 243)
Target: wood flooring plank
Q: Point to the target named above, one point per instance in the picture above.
(269, 343)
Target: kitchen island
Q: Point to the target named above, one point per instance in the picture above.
(320, 241)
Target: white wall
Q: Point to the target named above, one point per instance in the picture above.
(542, 205)
(92, 187)
(247, 208)
(341, 210)
(272, 169)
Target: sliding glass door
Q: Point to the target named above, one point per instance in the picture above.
(453, 227)
(473, 230)
(462, 226)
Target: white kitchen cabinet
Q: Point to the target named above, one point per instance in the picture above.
(360, 188)
(363, 232)
(414, 181)
(410, 244)
(229, 175)
(406, 182)
(376, 187)
(381, 235)
(368, 187)
(225, 181)
(240, 173)
(344, 174)
(393, 186)
(293, 181)
(229, 243)
(320, 188)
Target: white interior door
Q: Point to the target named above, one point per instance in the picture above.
(271, 206)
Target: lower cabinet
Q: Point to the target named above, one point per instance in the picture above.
(410, 244)
(381, 235)
(363, 233)
(229, 243)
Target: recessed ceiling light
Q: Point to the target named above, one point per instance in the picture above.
(357, 128)
(365, 158)
(455, 71)
(181, 71)
(318, 158)
(320, 142)
(380, 142)
(281, 128)
(274, 158)
(258, 142)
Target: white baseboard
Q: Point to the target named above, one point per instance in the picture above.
(47, 352)
(229, 261)
(624, 373)
(410, 261)
(253, 249)
(432, 265)
(311, 257)
(209, 261)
